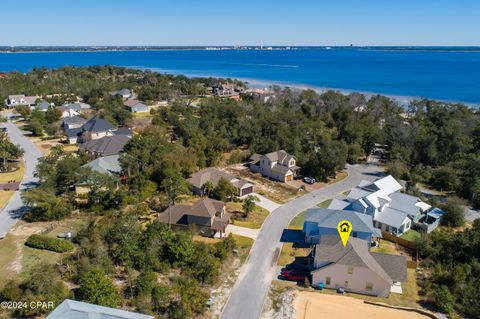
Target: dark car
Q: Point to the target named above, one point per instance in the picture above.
(309, 180)
(297, 266)
(293, 274)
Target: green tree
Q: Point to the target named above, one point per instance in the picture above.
(249, 205)
(224, 190)
(44, 205)
(444, 299)
(454, 212)
(23, 110)
(98, 288)
(207, 188)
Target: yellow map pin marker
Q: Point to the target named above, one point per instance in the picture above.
(344, 229)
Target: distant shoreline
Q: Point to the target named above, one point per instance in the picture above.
(62, 49)
(257, 83)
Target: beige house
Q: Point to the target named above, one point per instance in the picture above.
(214, 175)
(278, 165)
(354, 268)
(208, 214)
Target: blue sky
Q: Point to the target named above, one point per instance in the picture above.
(246, 22)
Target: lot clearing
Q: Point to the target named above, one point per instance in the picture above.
(312, 305)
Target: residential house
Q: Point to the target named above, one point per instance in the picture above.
(77, 107)
(207, 214)
(322, 221)
(354, 268)
(109, 165)
(73, 126)
(93, 129)
(214, 175)
(105, 146)
(42, 106)
(135, 106)
(277, 165)
(15, 100)
(123, 93)
(72, 309)
(391, 210)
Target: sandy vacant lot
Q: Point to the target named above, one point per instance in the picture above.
(312, 305)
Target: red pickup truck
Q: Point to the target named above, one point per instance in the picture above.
(293, 274)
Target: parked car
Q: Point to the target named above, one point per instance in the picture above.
(293, 274)
(309, 180)
(297, 266)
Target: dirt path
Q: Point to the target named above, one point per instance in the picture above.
(312, 305)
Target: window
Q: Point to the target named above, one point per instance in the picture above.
(346, 284)
(355, 234)
(350, 270)
(368, 286)
(328, 280)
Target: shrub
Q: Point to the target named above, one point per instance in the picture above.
(49, 243)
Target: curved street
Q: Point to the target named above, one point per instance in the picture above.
(14, 209)
(252, 285)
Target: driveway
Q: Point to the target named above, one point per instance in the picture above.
(14, 209)
(248, 295)
(266, 203)
(242, 231)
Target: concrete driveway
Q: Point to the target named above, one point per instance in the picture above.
(248, 295)
(242, 231)
(14, 209)
(266, 203)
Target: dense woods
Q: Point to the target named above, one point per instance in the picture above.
(165, 272)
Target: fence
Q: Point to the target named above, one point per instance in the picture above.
(398, 240)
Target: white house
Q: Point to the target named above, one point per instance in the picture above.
(277, 165)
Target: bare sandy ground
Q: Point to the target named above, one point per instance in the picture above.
(311, 305)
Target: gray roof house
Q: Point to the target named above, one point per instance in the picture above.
(105, 146)
(72, 309)
(391, 210)
(322, 221)
(208, 214)
(214, 175)
(94, 128)
(354, 268)
(43, 106)
(124, 93)
(78, 106)
(277, 165)
(135, 106)
(109, 165)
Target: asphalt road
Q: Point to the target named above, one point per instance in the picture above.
(249, 292)
(14, 210)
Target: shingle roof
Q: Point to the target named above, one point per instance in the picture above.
(106, 165)
(280, 169)
(329, 218)
(107, 145)
(73, 132)
(205, 207)
(280, 156)
(96, 124)
(391, 217)
(214, 175)
(132, 102)
(71, 309)
(405, 203)
(395, 266)
(43, 105)
(356, 254)
(74, 120)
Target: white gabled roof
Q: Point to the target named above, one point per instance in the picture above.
(388, 184)
(423, 206)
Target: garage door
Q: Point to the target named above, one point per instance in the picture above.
(246, 191)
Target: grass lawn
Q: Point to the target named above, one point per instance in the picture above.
(8, 253)
(244, 244)
(254, 220)
(411, 235)
(288, 254)
(386, 247)
(16, 175)
(325, 203)
(297, 221)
